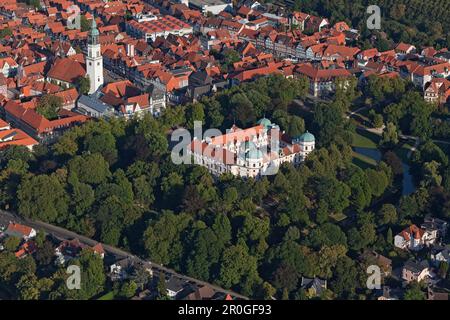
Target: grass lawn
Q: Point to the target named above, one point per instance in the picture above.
(108, 296)
(403, 151)
(364, 139)
(338, 216)
(363, 161)
(367, 140)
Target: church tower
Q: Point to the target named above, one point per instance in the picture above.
(94, 60)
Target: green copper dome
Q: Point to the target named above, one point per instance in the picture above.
(265, 122)
(306, 137)
(248, 145)
(253, 154)
(94, 31)
(250, 151)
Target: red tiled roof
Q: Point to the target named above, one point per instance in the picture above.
(15, 137)
(68, 96)
(19, 228)
(414, 231)
(66, 69)
(321, 74)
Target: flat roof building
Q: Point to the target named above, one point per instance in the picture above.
(212, 6)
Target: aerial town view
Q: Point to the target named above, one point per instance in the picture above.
(231, 150)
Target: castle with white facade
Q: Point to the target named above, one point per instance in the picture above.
(251, 152)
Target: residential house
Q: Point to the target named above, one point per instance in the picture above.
(440, 254)
(8, 66)
(316, 24)
(444, 55)
(4, 125)
(435, 226)
(374, 258)
(68, 97)
(174, 286)
(414, 238)
(200, 293)
(416, 271)
(404, 48)
(297, 19)
(20, 231)
(25, 249)
(157, 100)
(314, 287)
(201, 83)
(422, 72)
(70, 249)
(124, 269)
(16, 137)
(437, 91)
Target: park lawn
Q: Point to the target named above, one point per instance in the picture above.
(403, 151)
(108, 296)
(367, 140)
(364, 139)
(363, 161)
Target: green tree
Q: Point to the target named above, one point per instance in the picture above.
(89, 168)
(414, 292)
(103, 143)
(195, 112)
(388, 214)
(236, 263)
(443, 269)
(28, 287)
(128, 289)
(92, 275)
(162, 238)
(45, 254)
(43, 198)
(378, 181)
(49, 105)
(390, 136)
(344, 282)
(431, 174)
(83, 83)
(85, 24)
(11, 243)
(296, 126)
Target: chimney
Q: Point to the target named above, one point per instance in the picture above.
(130, 50)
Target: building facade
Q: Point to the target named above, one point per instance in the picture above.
(94, 60)
(251, 152)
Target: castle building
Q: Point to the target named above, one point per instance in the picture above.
(94, 59)
(251, 152)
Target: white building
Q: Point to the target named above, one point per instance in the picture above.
(414, 238)
(252, 152)
(94, 59)
(212, 6)
(163, 26)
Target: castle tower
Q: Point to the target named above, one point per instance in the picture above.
(94, 59)
(307, 142)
